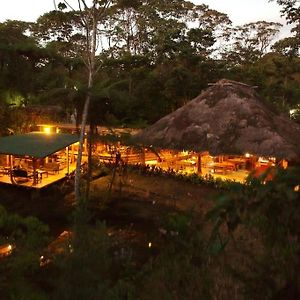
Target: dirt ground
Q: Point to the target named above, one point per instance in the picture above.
(163, 191)
(140, 199)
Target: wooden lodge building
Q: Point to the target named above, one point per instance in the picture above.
(226, 132)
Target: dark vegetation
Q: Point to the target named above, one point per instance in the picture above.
(151, 64)
(237, 242)
(156, 235)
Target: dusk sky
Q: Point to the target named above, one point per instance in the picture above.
(239, 11)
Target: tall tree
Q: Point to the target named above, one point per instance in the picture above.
(19, 60)
(91, 15)
(291, 10)
(250, 42)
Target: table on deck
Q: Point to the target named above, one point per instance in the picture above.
(224, 167)
(40, 174)
(238, 162)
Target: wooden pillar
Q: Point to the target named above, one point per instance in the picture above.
(35, 179)
(85, 146)
(68, 166)
(143, 157)
(10, 168)
(199, 169)
(71, 159)
(10, 161)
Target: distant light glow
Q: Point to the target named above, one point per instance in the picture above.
(247, 155)
(47, 129)
(149, 244)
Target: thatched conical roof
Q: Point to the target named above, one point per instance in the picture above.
(227, 118)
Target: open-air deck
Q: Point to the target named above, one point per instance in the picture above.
(44, 178)
(37, 159)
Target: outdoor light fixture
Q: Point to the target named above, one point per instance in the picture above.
(47, 129)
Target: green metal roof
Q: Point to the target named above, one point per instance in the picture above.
(36, 144)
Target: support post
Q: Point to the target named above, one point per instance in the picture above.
(10, 163)
(143, 156)
(199, 169)
(35, 174)
(68, 167)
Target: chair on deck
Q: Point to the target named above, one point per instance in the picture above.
(21, 175)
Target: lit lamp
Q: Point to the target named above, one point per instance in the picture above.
(47, 129)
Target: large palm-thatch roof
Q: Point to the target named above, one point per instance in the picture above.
(227, 118)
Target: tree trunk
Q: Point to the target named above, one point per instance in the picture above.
(91, 40)
(90, 165)
(80, 150)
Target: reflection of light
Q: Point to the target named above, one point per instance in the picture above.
(263, 159)
(9, 247)
(247, 155)
(47, 130)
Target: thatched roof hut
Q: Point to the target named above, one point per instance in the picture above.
(227, 118)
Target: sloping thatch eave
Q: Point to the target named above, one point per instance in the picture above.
(227, 118)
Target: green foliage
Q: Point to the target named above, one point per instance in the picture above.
(28, 237)
(178, 223)
(193, 178)
(267, 212)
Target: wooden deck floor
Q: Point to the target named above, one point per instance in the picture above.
(238, 176)
(45, 181)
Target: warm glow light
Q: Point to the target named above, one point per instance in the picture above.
(47, 130)
(150, 245)
(297, 188)
(9, 247)
(247, 155)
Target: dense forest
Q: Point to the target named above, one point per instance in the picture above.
(154, 234)
(151, 58)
